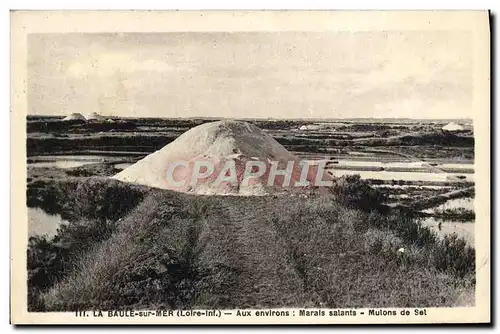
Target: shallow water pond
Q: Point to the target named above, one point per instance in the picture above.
(457, 166)
(406, 176)
(360, 163)
(402, 186)
(64, 161)
(60, 164)
(456, 203)
(464, 230)
(41, 223)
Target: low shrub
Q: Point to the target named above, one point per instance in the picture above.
(453, 253)
(92, 198)
(98, 169)
(356, 193)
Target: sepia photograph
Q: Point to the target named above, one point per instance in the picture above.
(275, 175)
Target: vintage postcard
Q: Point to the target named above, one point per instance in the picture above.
(220, 167)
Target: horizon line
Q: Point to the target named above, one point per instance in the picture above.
(261, 118)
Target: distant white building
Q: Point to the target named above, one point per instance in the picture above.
(74, 117)
(452, 126)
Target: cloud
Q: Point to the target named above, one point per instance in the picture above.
(108, 64)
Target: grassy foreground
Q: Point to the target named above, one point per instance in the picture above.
(135, 247)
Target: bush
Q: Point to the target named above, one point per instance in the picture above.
(454, 254)
(354, 192)
(45, 262)
(98, 169)
(91, 198)
(46, 265)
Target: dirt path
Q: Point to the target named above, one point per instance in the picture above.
(247, 262)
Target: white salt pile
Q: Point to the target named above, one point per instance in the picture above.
(95, 117)
(74, 117)
(216, 143)
(452, 127)
(310, 127)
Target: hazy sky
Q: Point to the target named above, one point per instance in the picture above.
(295, 75)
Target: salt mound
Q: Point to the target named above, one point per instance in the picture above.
(74, 117)
(95, 117)
(452, 126)
(310, 127)
(217, 143)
